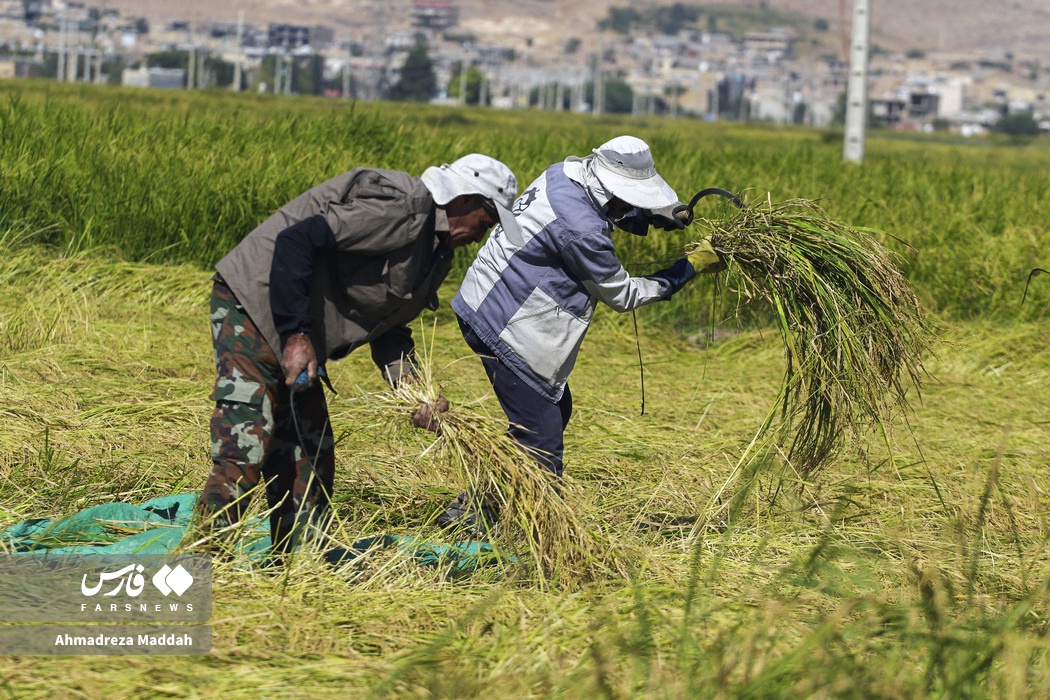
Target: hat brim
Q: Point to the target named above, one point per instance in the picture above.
(445, 185)
(645, 193)
(509, 224)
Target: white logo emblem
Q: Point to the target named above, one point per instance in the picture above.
(167, 581)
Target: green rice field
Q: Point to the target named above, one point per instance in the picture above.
(914, 565)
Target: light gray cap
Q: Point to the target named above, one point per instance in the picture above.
(477, 174)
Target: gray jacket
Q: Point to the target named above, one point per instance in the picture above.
(386, 267)
(532, 304)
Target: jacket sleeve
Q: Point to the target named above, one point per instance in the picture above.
(394, 353)
(591, 258)
(293, 265)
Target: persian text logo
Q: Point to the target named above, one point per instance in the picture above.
(131, 581)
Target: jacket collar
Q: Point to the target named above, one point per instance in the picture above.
(581, 171)
(440, 219)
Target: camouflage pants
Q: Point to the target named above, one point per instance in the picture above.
(257, 433)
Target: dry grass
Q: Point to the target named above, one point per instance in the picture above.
(908, 575)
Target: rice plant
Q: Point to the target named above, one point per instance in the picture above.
(853, 330)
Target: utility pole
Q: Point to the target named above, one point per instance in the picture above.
(599, 85)
(463, 80)
(346, 69)
(73, 64)
(843, 32)
(240, 52)
(60, 67)
(191, 63)
(857, 88)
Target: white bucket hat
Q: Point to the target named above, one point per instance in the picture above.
(477, 174)
(625, 167)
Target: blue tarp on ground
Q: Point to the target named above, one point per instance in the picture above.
(158, 526)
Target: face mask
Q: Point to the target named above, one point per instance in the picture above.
(635, 221)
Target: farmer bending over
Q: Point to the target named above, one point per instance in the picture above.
(527, 300)
(350, 262)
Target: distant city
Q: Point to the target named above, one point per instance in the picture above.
(422, 53)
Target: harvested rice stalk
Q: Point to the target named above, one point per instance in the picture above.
(853, 330)
(475, 451)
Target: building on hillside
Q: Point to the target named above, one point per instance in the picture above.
(288, 36)
(923, 106)
(166, 78)
(951, 96)
(435, 14)
(888, 110)
(321, 35)
(772, 46)
(32, 9)
(773, 100)
(21, 67)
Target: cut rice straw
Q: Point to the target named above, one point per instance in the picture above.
(473, 451)
(854, 332)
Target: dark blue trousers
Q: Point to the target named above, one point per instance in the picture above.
(536, 424)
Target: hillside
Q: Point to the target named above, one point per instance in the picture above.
(1019, 26)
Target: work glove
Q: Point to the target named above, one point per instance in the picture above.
(426, 417)
(676, 276)
(674, 217)
(705, 259)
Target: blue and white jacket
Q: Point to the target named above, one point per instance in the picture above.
(532, 303)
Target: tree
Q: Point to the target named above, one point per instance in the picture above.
(620, 20)
(168, 59)
(673, 19)
(418, 82)
(1017, 124)
(619, 97)
(114, 70)
(309, 75)
(473, 86)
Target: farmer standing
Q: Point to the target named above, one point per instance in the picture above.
(527, 300)
(350, 262)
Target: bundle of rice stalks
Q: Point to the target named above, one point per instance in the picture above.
(474, 451)
(853, 330)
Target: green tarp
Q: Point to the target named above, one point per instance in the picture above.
(158, 526)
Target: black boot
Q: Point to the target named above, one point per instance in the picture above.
(474, 516)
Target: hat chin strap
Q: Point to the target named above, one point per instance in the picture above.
(582, 171)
